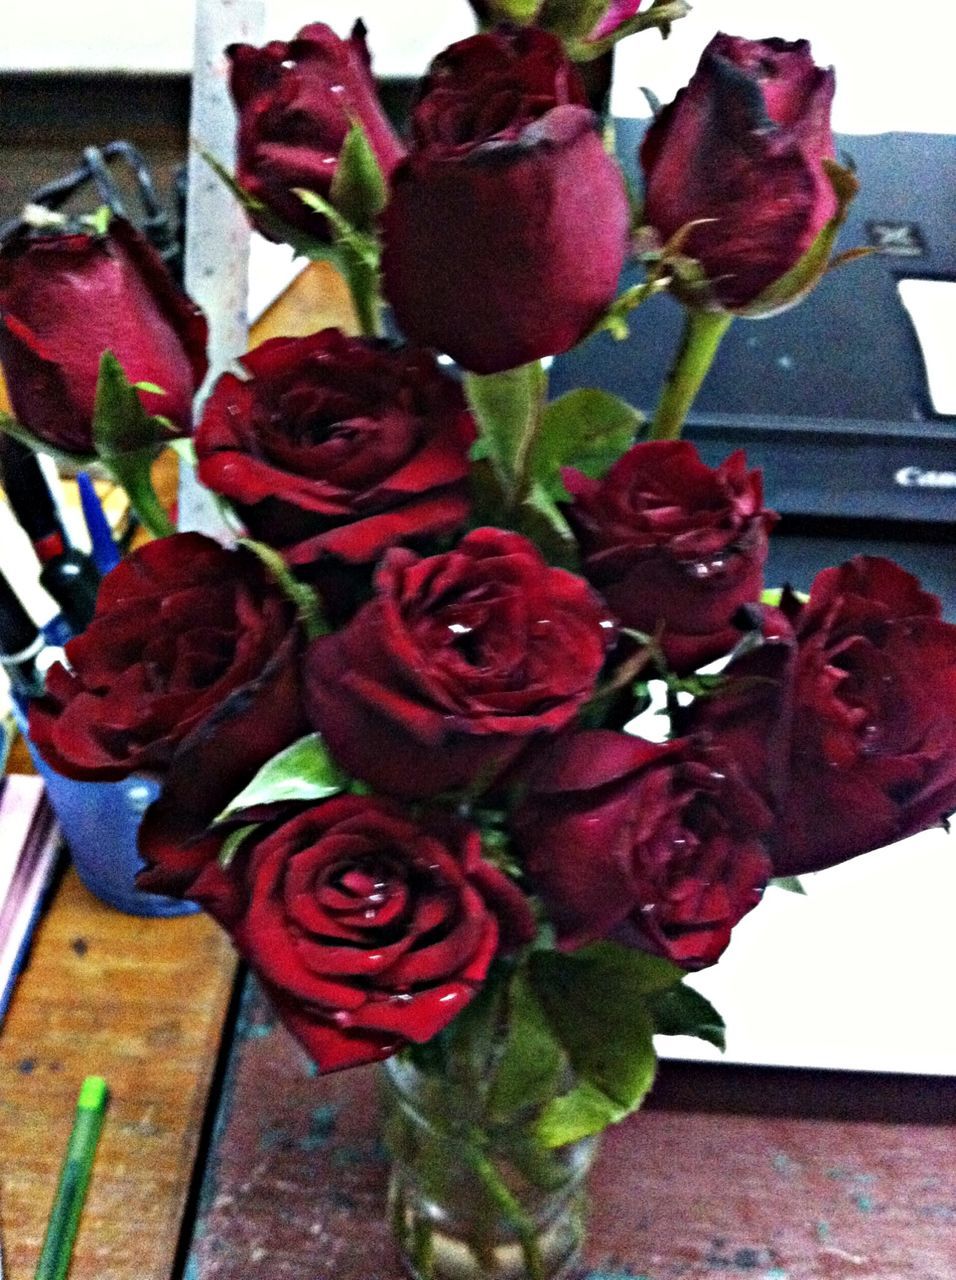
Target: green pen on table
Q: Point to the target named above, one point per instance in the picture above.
(74, 1177)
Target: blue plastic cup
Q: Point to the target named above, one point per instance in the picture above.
(99, 821)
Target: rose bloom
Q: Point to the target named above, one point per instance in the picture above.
(742, 146)
(508, 222)
(183, 631)
(674, 545)
(296, 102)
(64, 300)
(368, 929)
(873, 751)
(657, 846)
(338, 446)
(456, 664)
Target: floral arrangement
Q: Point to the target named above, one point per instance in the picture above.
(400, 723)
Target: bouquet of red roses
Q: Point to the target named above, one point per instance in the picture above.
(400, 721)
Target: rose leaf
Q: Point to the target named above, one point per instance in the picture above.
(682, 1011)
(532, 1058)
(230, 846)
(586, 429)
(596, 1003)
(304, 771)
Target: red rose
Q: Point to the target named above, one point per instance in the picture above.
(336, 445)
(508, 222)
(873, 755)
(64, 300)
(459, 659)
(672, 543)
(296, 102)
(658, 846)
(743, 146)
(368, 929)
(183, 631)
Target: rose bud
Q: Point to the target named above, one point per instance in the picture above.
(657, 846)
(508, 222)
(873, 756)
(296, 102)
(64, 300)
(368, 929)
(458, 661)
(674, 546)
(338, 446)
(182, 628)
(585, 20)
(747, 146)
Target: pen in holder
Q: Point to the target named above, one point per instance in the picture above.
(100, 821)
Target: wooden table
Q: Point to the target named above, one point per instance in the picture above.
(728, 1174)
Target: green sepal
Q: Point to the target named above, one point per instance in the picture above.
(232, 843)
(661, 14)
(127, 440)
(359, 253)
(615, 319)
(303, 771)
(99, 220)
(521, 12)
(596, 1003)
(790, 884)
(303, 597)
(306, 245)
(682, 1011)
(358, 188)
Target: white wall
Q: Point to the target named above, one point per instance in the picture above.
(894, 62)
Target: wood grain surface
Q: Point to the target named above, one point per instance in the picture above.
(295, 1186)
(141, 1002)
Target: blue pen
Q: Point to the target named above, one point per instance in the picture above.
(104, 550)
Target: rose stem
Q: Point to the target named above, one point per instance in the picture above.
(361, 276)
(703, 331)
(509, 1207)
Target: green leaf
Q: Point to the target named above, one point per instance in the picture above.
(358, 189)
(230, 846)
(364, 245)
(790, 884)
(571, 18)
(595, 1001)
(508, 409)
(304, 771)
(584, 1111)
(587, 429)
(127, 439)
(303, 597)
(682, 1011)
(532, 1059)
(661, 14)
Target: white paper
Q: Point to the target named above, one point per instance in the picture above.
(932, 308)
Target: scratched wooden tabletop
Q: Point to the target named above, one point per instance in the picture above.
(729, 1175)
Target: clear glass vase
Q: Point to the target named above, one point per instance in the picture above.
(471, 1197)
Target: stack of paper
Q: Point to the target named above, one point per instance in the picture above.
(29, 844)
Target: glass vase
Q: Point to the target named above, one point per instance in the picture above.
(472, 1198)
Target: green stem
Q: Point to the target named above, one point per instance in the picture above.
(703, 331)
(510, 1210)
(362, 280)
